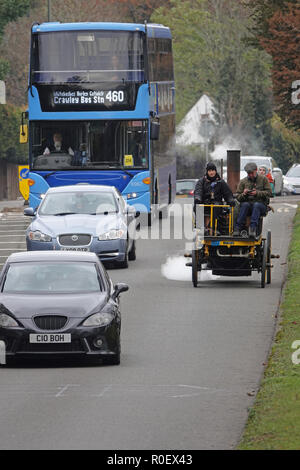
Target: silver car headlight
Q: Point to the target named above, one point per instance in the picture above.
(7, 322)
(99, 319)
(112, 235)
(38, 236)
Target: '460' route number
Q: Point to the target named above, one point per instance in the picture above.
(115, 96)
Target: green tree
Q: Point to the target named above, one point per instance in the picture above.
(211, 57)
(15, 44)
(284, 144)
(10, 10)
(10, 148)
(283, 46)
(261, 11)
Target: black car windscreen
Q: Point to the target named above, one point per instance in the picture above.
(51, 277)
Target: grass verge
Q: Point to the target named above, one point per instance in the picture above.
(274, 420)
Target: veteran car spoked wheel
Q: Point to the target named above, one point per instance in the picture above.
(196, 267)
(269, 249)
(264, 264)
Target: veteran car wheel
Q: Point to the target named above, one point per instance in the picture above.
(195, 267)
(264, 265)
(269, 248)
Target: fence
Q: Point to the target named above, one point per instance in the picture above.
(9, 181)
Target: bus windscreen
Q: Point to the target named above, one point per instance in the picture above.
(89, 145)
(87, 57)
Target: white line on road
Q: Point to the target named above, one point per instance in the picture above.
(14, 243)
(64, 389)
(11, 235)
(12, 249)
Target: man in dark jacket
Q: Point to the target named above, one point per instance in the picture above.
(253, 193)
(211, 189)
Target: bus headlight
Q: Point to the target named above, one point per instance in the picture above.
(132, 195)
(112, 235)
(38, 236)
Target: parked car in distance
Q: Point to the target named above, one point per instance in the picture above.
(278, 178)
(185, 187)
(59, 303)
(84, 217)
(291, 181)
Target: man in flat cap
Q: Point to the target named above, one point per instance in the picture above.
(253, 193)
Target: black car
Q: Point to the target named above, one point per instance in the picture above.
(59, 303)
(186, 187)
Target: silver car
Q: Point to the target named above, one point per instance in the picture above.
(291, 181)
(84, 217)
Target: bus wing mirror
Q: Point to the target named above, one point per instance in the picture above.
(154, 130)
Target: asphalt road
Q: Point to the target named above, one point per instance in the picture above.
(191, 359)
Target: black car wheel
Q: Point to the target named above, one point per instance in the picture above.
(132, 252)
(115, 359)
(123, 264)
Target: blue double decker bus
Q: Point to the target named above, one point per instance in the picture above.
(101, 110)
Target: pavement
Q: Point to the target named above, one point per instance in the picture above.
(14, 205)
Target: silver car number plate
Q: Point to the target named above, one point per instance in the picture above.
(50, 338)
(75, 248)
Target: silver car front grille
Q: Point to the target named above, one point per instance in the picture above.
(74, 239)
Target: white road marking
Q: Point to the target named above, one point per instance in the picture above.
(64, 389)
(10, 235)
(106, 389)
(12, 249)
(15, 243)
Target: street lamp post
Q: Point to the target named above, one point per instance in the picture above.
(49, 10)
(204, 120)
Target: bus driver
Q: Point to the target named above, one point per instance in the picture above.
(57, 146)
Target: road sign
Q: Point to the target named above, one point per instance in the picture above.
(23, 181)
